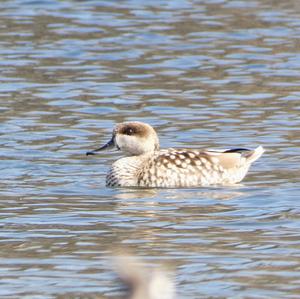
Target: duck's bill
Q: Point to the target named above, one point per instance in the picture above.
(108, 145)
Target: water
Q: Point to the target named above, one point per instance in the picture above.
(205, 74)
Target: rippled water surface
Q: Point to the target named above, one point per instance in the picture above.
(212, 73)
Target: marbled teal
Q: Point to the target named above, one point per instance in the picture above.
(146, 165)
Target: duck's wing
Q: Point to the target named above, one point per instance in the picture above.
(189, 167)
(189, 158)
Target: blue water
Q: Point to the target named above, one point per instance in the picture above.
(215, 74)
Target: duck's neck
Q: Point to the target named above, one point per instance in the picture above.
(125, 171)
(139, 154)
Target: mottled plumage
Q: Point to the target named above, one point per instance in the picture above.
(147, 166)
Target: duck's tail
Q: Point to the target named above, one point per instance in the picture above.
(253, 155)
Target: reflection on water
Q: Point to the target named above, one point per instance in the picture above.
(205, 74)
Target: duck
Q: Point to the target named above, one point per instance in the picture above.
(146, 165)
(142, 281)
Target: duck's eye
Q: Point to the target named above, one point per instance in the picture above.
(129, 131)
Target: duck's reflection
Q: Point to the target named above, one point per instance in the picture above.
(158, 194)
(152, 218)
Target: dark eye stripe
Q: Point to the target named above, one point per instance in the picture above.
(128, 131)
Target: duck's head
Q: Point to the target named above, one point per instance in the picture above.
(132, 138)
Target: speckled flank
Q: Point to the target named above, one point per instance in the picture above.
(150, 167)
